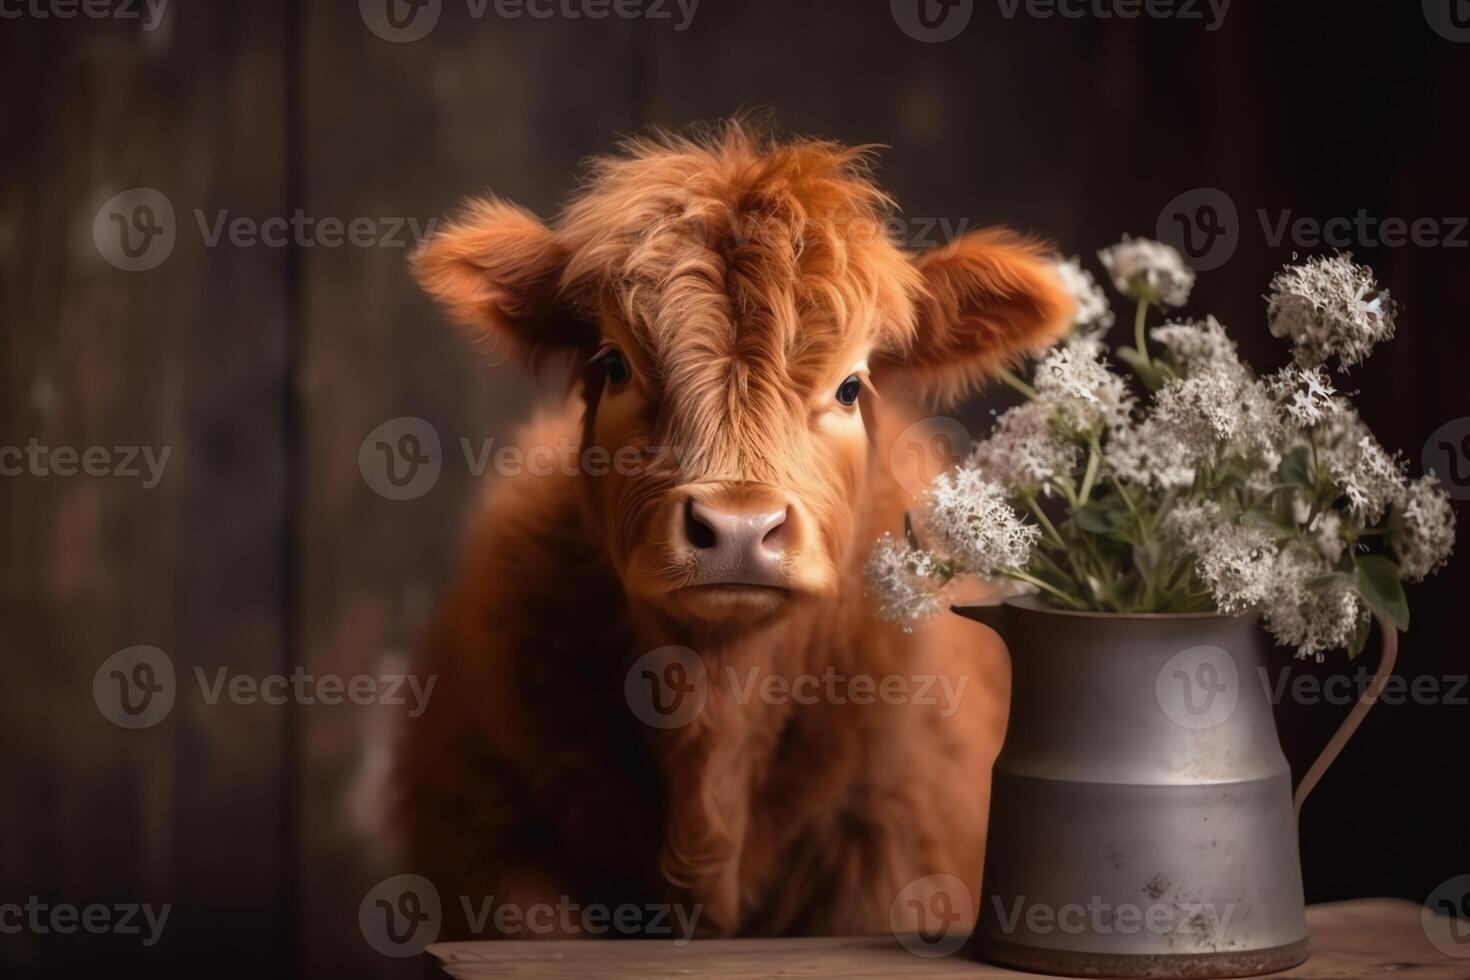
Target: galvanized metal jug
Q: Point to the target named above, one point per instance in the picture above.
(1141, 817)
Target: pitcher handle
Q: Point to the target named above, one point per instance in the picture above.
(992, 614)
(1386, 660)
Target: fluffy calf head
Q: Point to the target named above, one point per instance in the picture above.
(736, 301)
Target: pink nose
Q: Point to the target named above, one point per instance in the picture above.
(735, 547)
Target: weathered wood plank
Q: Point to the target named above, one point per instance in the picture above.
(1357, 939)
(188, 358)
(407, 130)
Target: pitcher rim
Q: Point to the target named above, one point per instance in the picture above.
(1031, 602)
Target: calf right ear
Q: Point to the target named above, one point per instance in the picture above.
(497, 269)
(986, 300)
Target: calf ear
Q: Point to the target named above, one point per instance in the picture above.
(986, 300)
(497, 269)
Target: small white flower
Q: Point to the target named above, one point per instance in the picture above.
(1235, 561)
(1303, 614)
(1327, 533)
(1425, 535)
(1330, 307)
(1148, 270)
(1191, 518)
(969, 517)
(1198, 347)
(1369, 476)
(1082, 394)
(1093, 309)
(1218, 413)
(1024, 452)
(1305, 394)
(904, 581)
(1251, 536)
(1150, 455)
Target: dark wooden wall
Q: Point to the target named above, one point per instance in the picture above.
(264, 549)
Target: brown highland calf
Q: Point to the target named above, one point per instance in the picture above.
(733, 305)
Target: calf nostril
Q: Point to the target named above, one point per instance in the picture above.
(774, 533)
(699, 533)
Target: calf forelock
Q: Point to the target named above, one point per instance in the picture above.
(734, 249)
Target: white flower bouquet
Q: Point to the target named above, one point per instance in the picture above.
(1217, 490)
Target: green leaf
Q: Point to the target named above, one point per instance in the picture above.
(1332, 580)
(1360, 635)
(1106, 521)
(1179, 575)
(1232, 472)
(1282, 505)
(1094, 520)
(1379, 585)
(1269, 519)
(1296, 467)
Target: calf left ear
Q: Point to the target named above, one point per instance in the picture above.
(497, 270)
(987, 299)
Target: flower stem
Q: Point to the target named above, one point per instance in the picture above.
(1118, 485)
(1094, 456)
(1016, 573)
(1139, 337)
(1044, 521)
(1010, 378)
(1164, 506)
(1065, 486)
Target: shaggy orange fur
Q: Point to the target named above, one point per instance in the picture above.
(742, 279)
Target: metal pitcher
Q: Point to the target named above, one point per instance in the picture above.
(1141, 818)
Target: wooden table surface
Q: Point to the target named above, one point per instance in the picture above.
(1357, 940)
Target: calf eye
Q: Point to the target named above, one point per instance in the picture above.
(614, 365)
(848, 391)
